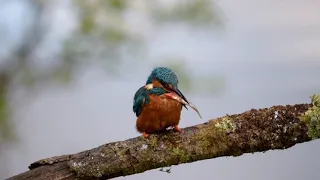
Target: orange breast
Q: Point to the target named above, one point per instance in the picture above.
(160, 113)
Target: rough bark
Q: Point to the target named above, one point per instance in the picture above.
(277, 127)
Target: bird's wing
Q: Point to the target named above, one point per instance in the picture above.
(140, 98)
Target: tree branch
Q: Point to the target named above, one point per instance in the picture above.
(277, 127)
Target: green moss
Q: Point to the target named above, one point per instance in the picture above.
(226, 124)
(211, 136)
(44, 161)
(312, 117)
(204, 137)
(180, 154)
(153, 141)
(315, 100)
(79, 168)
(123, 151)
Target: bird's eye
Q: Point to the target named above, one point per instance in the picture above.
(163, 83)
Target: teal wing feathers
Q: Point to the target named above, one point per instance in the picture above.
(140, 97)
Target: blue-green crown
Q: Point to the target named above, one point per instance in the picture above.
(163, 74)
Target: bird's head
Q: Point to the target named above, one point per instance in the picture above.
(165, 78)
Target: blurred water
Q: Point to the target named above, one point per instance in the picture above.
(269, 55)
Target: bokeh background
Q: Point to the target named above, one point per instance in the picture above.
(69, 70)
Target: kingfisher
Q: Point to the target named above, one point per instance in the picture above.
(158, 104)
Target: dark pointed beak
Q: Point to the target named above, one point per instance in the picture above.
(178, 92)
(180, 97)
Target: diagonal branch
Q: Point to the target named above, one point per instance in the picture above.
(277, 127)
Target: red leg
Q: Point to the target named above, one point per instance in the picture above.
(144, 134)
(176, 128)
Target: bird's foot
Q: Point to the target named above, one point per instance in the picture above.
(177, 129)
(144, 134)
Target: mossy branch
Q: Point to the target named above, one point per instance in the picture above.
(277, 127)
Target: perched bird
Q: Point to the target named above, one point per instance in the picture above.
(158, 104)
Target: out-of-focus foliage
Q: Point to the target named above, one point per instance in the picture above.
(197, 13)
(5, 126)
(106, 33)
(117, 26)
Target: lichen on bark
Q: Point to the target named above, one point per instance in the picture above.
(312, 117)
(226, 124)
